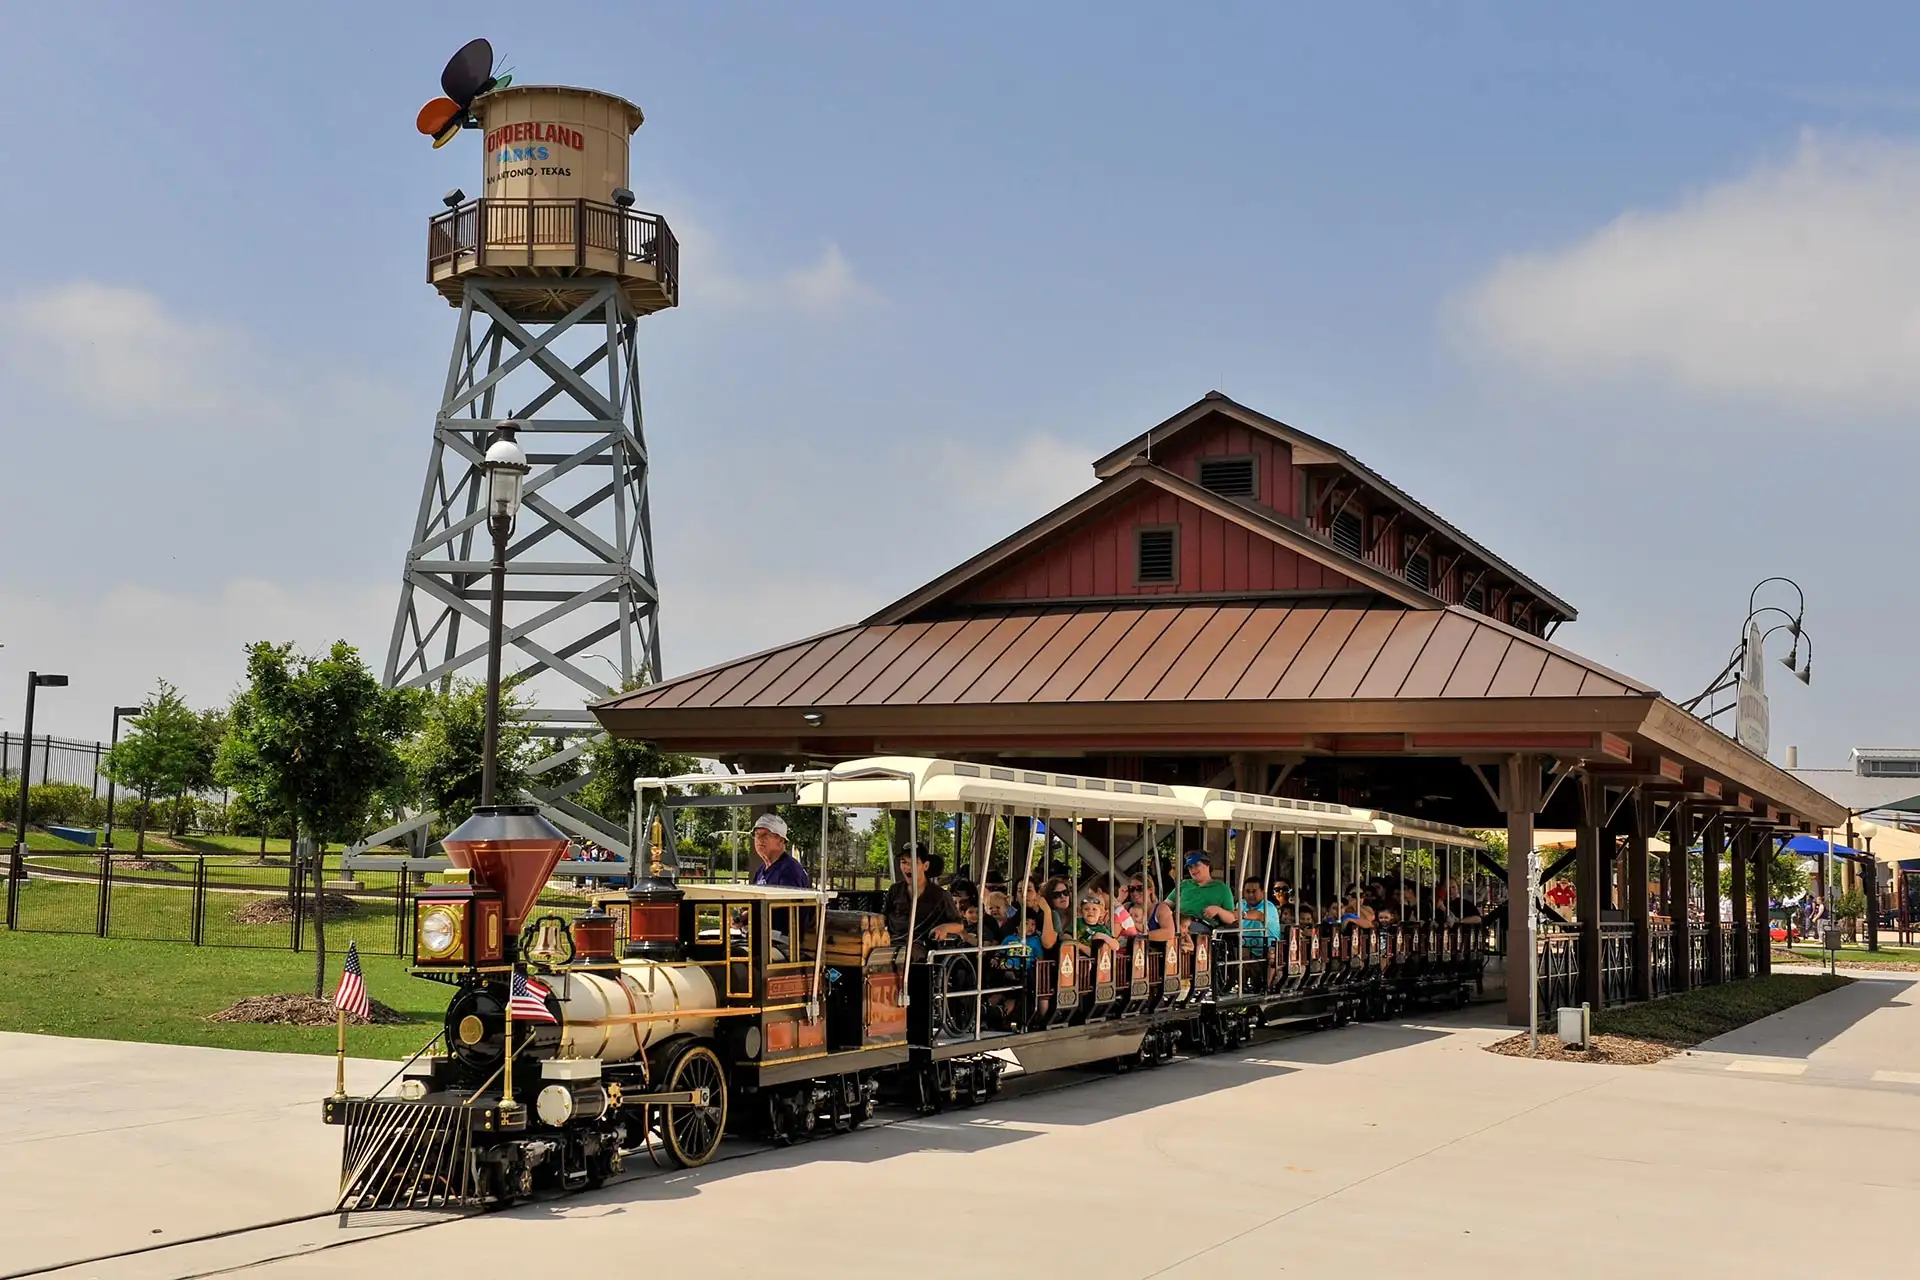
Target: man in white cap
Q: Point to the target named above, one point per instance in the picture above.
(777, 866)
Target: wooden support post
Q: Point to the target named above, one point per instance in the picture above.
(1679, 840)
(1764, 853)
(1520, 797)
(1587, 881)
(1712, 841)
(1737, 894)
(1640, 814)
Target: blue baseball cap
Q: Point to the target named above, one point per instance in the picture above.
(1196, 856)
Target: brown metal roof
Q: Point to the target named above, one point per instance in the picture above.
(1172, 653)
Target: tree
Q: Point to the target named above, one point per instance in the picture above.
(445, 758)
(1787, 879)
(615, 763)
(317, 739)
(161, 756)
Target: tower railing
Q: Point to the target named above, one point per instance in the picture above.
(509, 232)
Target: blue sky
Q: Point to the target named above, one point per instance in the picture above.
(1629, 295)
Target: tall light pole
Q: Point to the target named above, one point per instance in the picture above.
(118, 713)
(1871, 869)
(17, 868)
(506, 467)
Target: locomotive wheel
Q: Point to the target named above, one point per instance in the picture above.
(692, 1132)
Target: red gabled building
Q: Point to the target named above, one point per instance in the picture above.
(1235, 601)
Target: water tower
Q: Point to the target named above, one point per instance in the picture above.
(550, 269)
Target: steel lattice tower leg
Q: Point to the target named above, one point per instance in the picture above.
(580, 567)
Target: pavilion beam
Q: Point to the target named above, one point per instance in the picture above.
(1679, 842)
(1737, 893)
(1638, 908)
(1587, 881)
(1520, 799)
(1713, 839)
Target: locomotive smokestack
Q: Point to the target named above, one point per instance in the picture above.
(512, 849)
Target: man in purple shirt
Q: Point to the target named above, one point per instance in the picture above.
(777, 866)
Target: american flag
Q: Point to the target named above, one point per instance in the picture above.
(350, 997)
(529, 1001)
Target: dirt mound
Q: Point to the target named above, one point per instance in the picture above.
(279, 910)
(301, 1011)
(1619, 1051)
(146, 864)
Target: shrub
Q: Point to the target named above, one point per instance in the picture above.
(62, 803)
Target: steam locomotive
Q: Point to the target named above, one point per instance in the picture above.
(677, 1013)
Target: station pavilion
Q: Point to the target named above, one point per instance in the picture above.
(1235, 602)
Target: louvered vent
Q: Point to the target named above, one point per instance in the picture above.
(1346, 532)
(1156, 555)
(1420, 572)
(1476, 599)
(1228, 477)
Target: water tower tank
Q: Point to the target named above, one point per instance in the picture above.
(554, 206)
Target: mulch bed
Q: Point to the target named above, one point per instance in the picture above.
(279, 910)
(147, 864)
(1624, 1051)
(302, 1011)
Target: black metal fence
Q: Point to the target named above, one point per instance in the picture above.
(242, 900)
(53, 759)
(204, 900)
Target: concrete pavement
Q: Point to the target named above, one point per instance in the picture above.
(1374, 1150)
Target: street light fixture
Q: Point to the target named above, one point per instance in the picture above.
(17, 868)
(506, 466)
(1795, 625)
(118, 712)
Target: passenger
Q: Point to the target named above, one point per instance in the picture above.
(993, 917)
(1121, 914)
(1259, 919)
(1260, 931)
(777, 866)
(1203, 903)
(1059, 896)
(1156, 916)
(1092, 929)
(1041, 923)
(934, 919)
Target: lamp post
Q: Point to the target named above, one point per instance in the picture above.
(118, 712)
(506, 466)
(1871, 871)
(17, 867)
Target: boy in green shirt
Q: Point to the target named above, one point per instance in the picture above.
(1203, 903)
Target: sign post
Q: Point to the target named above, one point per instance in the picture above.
(1750, 722)
(1533, 953)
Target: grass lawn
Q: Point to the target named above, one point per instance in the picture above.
(1705, 1012)
(153, 914)
(1852, 956)
(118, 989)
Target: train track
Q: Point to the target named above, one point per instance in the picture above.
(243, 1247)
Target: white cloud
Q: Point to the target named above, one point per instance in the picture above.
(115, 645)
(1797, 284)
(120, 354)
(119, 351)
(1032, 477)
(827, 284)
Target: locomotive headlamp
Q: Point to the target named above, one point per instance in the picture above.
(439, 937)
(554, 1106)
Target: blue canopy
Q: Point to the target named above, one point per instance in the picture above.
(1813, 845)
